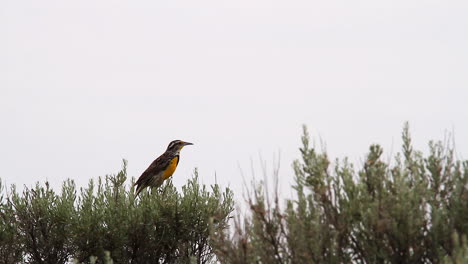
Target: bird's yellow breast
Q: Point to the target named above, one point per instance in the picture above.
(171, 168)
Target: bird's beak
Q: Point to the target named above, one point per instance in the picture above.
(187, 143)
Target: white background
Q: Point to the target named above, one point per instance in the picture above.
(84, 84)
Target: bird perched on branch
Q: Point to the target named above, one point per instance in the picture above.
(161, 168)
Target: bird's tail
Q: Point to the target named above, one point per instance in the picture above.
(138, 189)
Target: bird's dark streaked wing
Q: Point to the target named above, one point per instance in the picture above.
(154, 168)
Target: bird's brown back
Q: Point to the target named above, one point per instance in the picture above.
(155, 168)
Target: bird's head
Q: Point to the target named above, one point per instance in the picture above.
(177, 145)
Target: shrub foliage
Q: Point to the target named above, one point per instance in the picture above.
(413, 209)
(106, 219)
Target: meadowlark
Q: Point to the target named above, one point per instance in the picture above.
(161, 168)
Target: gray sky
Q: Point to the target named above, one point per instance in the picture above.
(86, 83)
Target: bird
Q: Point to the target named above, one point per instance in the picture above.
(161, 168)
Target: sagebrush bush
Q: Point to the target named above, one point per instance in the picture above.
(411, 210)
(10, 249)
(106, 219)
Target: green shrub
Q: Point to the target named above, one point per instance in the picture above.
(43, 219)
(106, 221)
(10, 246)
(411, 210)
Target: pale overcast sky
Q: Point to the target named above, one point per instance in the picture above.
(85, 84)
